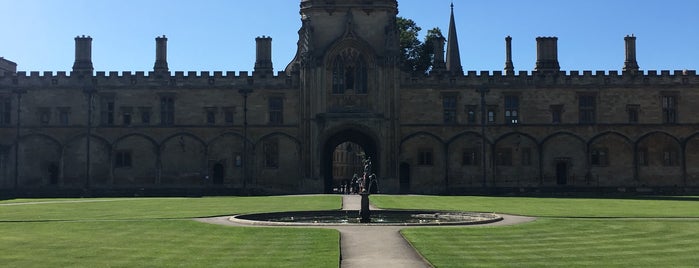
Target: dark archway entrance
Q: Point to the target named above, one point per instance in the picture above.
(562, 173)
(366, 142)
(218, 173)
(404, 177)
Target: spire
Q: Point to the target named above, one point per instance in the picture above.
(453, 55)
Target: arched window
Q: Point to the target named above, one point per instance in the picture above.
(338, 76)
(360, 83)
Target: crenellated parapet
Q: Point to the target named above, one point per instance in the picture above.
(526, 79)
(140, 79)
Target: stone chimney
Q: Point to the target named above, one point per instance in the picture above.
(161, 55)
(7, 66)
(83, 55)
(438, 49)
(547, 54)
(630, 64)
(509, 66)
(263, 62)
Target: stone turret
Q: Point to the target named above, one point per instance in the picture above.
(83, 55)
(547, 54)
(263, 61)
(630, 64)
(453, 55)
(161, 55)
(509, 66)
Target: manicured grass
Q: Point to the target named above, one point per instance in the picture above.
(550, 207)
(157, 208)
(571, 232)
(563, 243)
(158, 232)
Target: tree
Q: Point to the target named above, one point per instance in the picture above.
(417, 57)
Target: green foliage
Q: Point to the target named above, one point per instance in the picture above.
(417, 56)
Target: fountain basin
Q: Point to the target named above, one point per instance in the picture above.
(378, 217)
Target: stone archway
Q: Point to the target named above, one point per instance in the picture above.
(364, 140)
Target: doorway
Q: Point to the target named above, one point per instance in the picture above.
(404, 177)
(218, 173)
(562, 173)
(53, 173)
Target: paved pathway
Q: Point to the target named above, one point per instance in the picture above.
(376, 246)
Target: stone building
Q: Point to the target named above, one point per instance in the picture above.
(266, 132)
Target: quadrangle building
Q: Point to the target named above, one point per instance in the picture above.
(342, 95)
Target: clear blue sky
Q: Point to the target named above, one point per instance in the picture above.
(210, 35)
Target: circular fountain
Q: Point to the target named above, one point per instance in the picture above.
(365, 216)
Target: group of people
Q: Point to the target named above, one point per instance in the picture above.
(360, 184)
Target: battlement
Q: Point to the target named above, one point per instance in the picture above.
(178, 79)
(560, 78)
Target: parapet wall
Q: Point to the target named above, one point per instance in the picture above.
(190, 79)
(561, 78)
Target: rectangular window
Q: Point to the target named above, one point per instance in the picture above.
(44, 115)
(276, 110)
(587, 108)
(211, 115)
(632, 111)
(503, 157)
(491, 114)
(599, 157)
(470, 157)
(526, 156)
(425, 157)
(556, 114)
(167, 110)
(145, 115)
(122, 159)
(669, 109)
(449, 106)
(64, 116)
(5, 111)
(228, 114)
(670, 157)
(512, 109)
(107, 110)
(271, 151)
(126, 115)
(643, 156)
(471, 114)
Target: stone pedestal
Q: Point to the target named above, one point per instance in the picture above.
(364, 213)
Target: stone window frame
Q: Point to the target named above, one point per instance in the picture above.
(450, 115)
(425, 157)
(491, 114)
(633, 111)
(210, 113)
(511, 111)
(126, 115)
(275, 113)
(44, 115)
(470, 156)
(107, 109)
(669, 111)
(471, 114)
(557, 113)
(670, 157)
(642, 156)
(587, 108)
(229, 115)
(146, 114)
(123, 159)
(599, 157)
(64, 115)
(167, 108)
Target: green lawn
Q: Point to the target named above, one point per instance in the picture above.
(157, 232)
(571, 232)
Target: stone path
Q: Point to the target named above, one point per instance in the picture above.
(376, 246)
